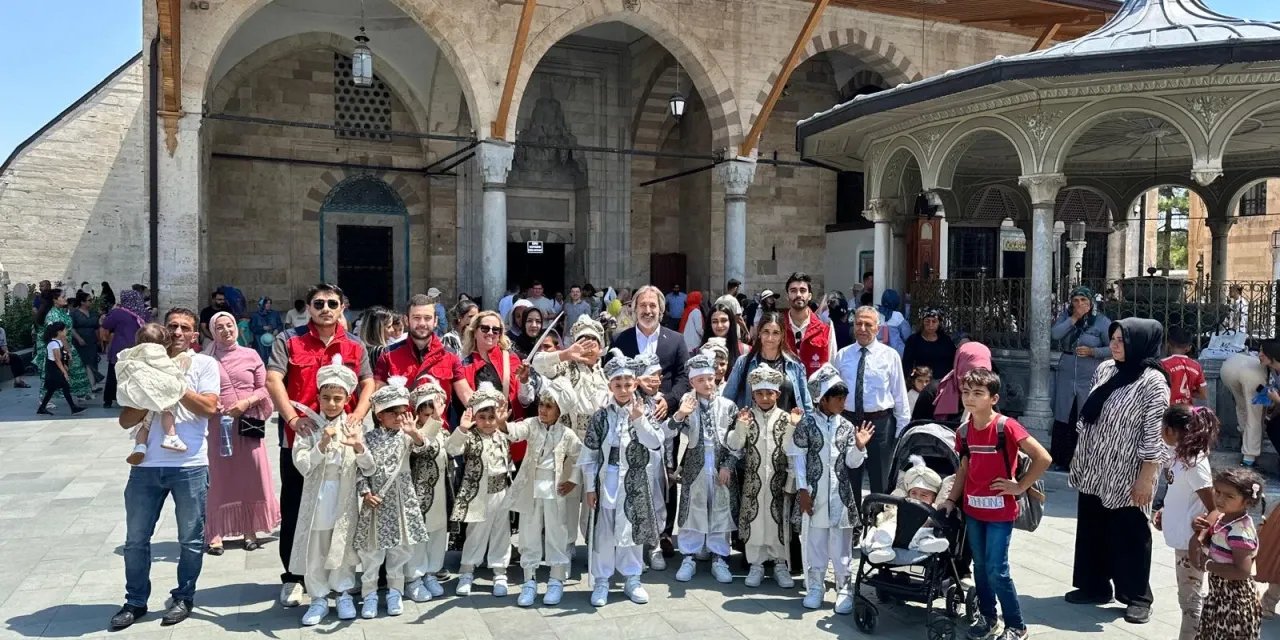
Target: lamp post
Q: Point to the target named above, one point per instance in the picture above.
(1275, 254)
(1076, 243)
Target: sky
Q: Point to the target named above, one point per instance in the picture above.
(60, 50)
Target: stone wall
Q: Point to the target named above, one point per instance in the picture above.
(73, 203)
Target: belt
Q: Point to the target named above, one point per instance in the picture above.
(875, 415)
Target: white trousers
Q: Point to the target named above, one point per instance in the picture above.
(772, 550)
(825, 546)
(607, 556)
(321, 581)
(691, 542)
(544, 539)
(574, 518)
(428, 557)
(395, 559)
(489, 540)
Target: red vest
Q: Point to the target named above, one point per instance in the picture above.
(401, 359)
(307, 353)
(815, 346)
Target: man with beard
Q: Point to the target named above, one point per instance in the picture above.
(423, 353)
(217, 302)
(296, 358)
(649, 336)
(811, 339)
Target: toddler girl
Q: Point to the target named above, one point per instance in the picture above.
(148, 378)
(56, 376)
(1225, 551)
(921, 376)
(1189, 432)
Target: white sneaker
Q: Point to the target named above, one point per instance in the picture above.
(417, 592)
(139, 454)
(881, 555)
(815, 588)
(844, 599)
(346, 607)
(316, 612)
(755, 576)
(464, 583)
(173, 443)
(600, 594)
(528, 593)
(635, 590)
(555, 591)
(500, 586)
(656, 561)
(687, 568)
(290, 594)
(369, 610)
(433, 586)
(782, 575)
(720, 571)
(395, 602)
(933, 545)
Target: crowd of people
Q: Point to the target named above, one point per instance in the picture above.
(650, 425)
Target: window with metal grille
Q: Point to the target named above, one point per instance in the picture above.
(362, 113)
(1254, 201)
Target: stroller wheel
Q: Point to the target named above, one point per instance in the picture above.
(955, 600)
(942, 628)
(865, 616)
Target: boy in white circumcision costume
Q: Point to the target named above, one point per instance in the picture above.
(481, 500)
(429, 467)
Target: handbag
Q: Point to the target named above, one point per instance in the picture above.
(252, 427)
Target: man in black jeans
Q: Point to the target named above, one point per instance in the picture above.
(17, 365)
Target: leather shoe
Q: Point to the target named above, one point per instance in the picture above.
(126, 616)
(1137, 614)
(1080, 596)
(180, 610)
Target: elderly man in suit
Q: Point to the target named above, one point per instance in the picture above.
(649, 336)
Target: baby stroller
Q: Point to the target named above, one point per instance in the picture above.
(915, 576)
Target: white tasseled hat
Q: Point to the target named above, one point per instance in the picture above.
(337, 374)
(765, 378)
(395, 394)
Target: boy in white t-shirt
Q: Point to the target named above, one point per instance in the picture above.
(1190, 433)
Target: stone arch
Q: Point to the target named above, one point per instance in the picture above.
(1234, 188)
(651, 113)
(269, 53)
(651, 18)
(332, 179)
(879, 55)
(205, 39)
(897, 157)
(953, 145)
(1080, 121)
(1235, 116)
(993, 203)
(1098, 188)
(1134, 190)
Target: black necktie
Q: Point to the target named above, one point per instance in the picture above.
(857, 383)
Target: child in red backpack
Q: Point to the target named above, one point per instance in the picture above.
(987, 493)
(1186, 376)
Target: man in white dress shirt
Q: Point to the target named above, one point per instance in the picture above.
(877, 393)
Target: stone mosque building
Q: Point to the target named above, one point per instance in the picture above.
(496, 141)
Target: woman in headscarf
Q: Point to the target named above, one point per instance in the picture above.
(930, 346)
(514, 323)
(838, 314)
(894, 328)
(459, 319)
(54, 308)
(523, 343)
(1114, 470)
(122, 324)
(770, 349)
(1080, 333)
(941, 400)
(691, 323)
(241, 499)
(107, 296)
(265, 321)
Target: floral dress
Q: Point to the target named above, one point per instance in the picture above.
(80, 386)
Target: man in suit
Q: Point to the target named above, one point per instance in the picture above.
(649, 336)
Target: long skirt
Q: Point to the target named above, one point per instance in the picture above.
(241, 498)
(1232, 611)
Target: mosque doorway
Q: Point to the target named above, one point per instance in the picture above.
(524, 265)
(365, 265)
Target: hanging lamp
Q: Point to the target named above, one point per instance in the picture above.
(362, 57)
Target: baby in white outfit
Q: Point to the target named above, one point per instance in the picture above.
(920, 484)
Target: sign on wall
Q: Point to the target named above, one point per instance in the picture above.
(533, 247)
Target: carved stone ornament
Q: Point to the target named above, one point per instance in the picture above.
(1043, 187)
(1208, 107)
(879, 210)
(1206, 174)
(736, 175)
(495, 160)
(631, 5)
(1219, 226)
(929, 140)
(1040, 124)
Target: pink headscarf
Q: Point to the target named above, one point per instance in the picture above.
(970, 356)
(216, 348)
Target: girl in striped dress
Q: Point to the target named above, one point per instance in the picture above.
(1225, 551)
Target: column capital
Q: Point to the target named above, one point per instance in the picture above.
(1043, 187)
(736, 175)
(1204, 173)
(879, 210)
(1219, 226)
(495, 160)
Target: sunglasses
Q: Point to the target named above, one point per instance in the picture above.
(484, 328)
(320, 304)
(799, 337)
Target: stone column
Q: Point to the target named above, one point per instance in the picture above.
(1058, 229)
(880, 212)
(736, 176)
(181, 251)
(1275, 263)
(902, 273)
(495, 163)
(1043, 189)
(1117, 247)
(944, 249)
(1075, 256)
(1219, 230)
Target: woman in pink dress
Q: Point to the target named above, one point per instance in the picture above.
(241, 499)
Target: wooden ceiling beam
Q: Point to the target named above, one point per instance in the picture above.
(1036, 18)
(169, 25)
(1047, 36)
(499, 127)
(784, 75)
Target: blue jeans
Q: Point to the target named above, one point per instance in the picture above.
(144, 497)
(990, 544)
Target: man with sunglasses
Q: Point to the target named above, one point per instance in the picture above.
(182, 474)
(296, 358)
(813, 340)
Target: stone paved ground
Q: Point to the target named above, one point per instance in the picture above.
(62, 575)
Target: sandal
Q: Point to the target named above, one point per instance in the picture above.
(252, 545)
(214, 551)
(21, 384)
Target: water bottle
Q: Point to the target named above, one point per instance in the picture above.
(228, 428)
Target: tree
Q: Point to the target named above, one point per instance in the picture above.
(1171, 235)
